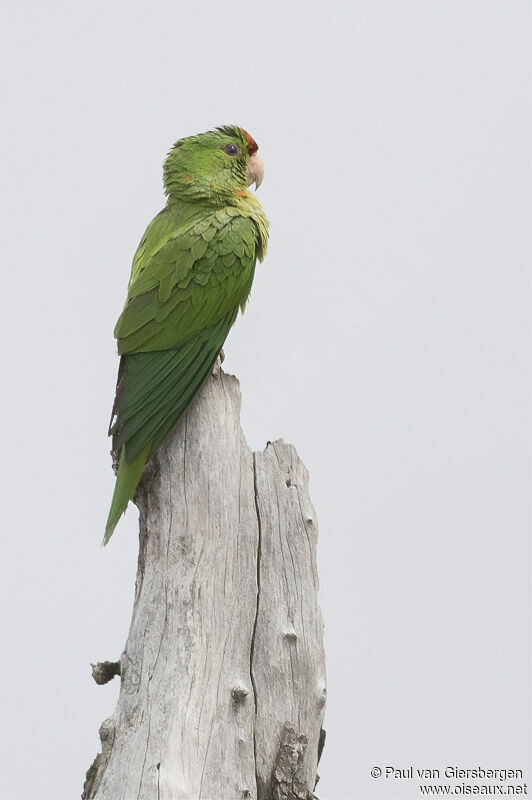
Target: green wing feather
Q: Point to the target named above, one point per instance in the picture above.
(127, 480)
(188, 281)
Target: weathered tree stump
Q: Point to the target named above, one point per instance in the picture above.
(223, 675)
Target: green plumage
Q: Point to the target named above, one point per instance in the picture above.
(191, 273)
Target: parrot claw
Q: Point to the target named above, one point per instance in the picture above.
(220, 358)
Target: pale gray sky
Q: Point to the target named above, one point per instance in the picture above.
(387, 338)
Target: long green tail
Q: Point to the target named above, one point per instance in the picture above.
(126, 482)
(153, 392)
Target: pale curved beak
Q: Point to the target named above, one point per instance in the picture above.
(255, 170)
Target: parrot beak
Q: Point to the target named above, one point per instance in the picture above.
(255, 171)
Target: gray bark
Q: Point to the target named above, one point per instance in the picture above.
(222, 689)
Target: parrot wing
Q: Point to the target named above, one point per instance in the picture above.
(183, 298)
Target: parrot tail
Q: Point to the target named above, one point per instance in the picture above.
(127, 480)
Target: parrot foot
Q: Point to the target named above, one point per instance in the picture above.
(220, 358)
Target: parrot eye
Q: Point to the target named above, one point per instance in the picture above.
(232, 150)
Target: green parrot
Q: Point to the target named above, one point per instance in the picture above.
(192, 271)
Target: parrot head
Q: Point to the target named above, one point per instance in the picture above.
(215, 166)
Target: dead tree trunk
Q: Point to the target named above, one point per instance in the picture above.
(223, 675)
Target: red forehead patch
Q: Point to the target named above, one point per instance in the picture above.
(252, 144)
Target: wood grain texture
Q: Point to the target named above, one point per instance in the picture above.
(288, 666)
(225, 644)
